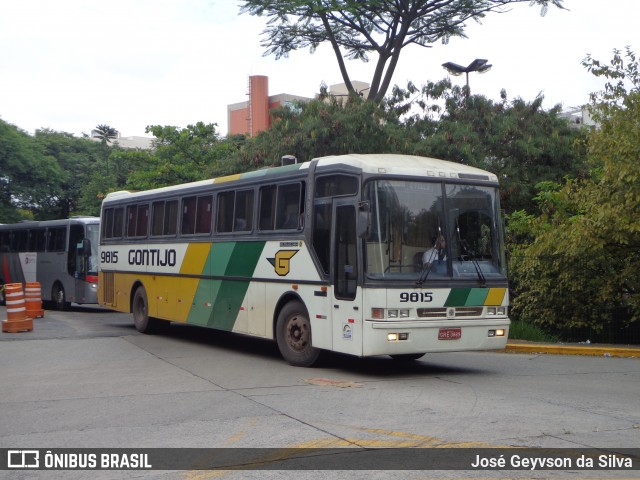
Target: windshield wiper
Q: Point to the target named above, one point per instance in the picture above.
(471, 257)
(424, 274)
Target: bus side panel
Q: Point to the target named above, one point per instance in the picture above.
(52, 268)
(258, 321)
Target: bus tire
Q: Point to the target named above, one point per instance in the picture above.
(140, 310)
(293, 335)
(59, 298)
(407, 357)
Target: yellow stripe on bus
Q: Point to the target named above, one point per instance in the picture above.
(495, 296)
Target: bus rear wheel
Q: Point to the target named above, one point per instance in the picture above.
(59, 298)
(140, 310)
(293, 335)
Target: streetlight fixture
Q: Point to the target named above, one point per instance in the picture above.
(478, 65)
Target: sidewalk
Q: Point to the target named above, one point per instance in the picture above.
(592, 349)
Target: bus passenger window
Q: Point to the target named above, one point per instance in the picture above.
(204, 212)
(107, 223)
(57, 239)
(170, 218)
(188, 216)
(142, 221)
(289, 209)
(118, 222)
(19, 240)
(37, 240)
(157, 218)
(4, 241)
(267, 208)
(225, 212)
(243, 216)
(132, 217)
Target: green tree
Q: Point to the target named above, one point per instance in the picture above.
(517, 140)
(77, 159)
(124, 162)
(321, 127)
(356, 29)
(27, 174)
(184, 155)
(583, 261)
(106, 134)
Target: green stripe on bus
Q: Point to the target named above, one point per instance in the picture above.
(457, 297)
(477, 296)
(217, 302)
(467, 297)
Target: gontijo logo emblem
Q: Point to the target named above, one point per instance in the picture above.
(282, 261)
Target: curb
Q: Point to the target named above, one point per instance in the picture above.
(596, 350)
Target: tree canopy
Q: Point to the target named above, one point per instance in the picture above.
(519, 141)
(581, 263)
(380, 28)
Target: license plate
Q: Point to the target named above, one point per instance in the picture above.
(450, 334)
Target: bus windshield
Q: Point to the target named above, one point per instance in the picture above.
(429, 230)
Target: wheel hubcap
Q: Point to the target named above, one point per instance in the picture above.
(297, 333)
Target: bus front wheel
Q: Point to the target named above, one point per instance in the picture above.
(140, 310)
(293, 335)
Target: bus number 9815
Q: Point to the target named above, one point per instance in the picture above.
(416, 297)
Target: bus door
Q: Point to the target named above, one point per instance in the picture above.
(346, 302)
(78, 262)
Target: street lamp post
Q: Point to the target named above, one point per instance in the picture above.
(478, 65)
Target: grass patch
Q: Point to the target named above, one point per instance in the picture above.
(526, 331)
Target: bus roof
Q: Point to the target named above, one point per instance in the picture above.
(383, 163)
(50, 223)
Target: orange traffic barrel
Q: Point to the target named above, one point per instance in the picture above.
(33, 300)
(17, 320)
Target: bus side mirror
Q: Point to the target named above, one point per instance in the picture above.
(364, 220)
(86, 247)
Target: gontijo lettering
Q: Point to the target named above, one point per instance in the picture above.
(154, 257)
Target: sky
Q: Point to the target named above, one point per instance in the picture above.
(70, 65)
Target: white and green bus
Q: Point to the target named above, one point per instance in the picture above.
(361, 254)
(62, 255)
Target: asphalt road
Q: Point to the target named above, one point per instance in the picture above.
(86, 378)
